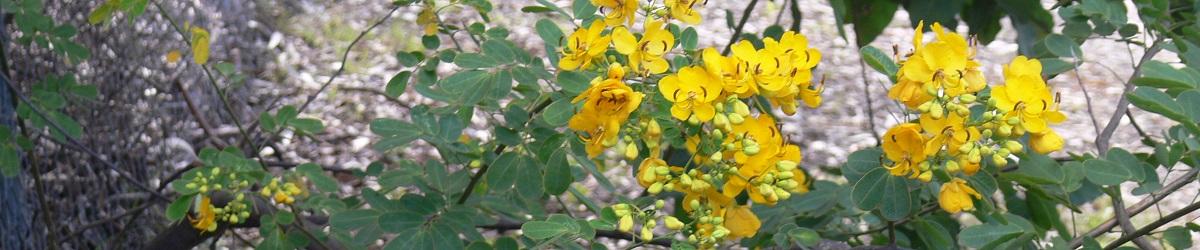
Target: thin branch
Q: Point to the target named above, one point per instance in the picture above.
(1102, 140)
(1142, 205)
(1086, 96)
(862, 66)
(505, 225)
(1153, 225)
(499, 149)
(394, 100)
(204, 125)
(1123, 218)
(737, 31)
(75, 142)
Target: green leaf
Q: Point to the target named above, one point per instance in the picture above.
(535, 9)
(543, 229)
(409, 59)
(689, 39)
(502, 173)
(558, 173)
(10, 160)
(932, 11)
(317, 176)
(431, 42)
(879, 61)
(1190, 102)
(399, 82)
(467, 86)
(395, 133)
(574, 82)
(1038, 168)
(353, 219)
(1154, 100)
(474, 61)
(179, 208)
(980, 235)
(498, 51)
(558, 112)
(103, 12)
(933, 234)
(805, 236)
(870, 17)
(878, 188)
(307, 125)
(582, 9)
(398, 221)
(860, 162)
(1128, 161)
(1031, 21)
(1161, 75)
(1178, 237)
(1104, 172)
(1062, 46)
(983, 19)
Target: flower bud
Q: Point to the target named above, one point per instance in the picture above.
(741, 108)
(655, 188)
(924, 108)
(662, 170)
(653, 129)
(476, 163)
(925, 177)
(783, 194)
(785, 165)
(937, 111)
(966, 98)
(625, 224)
(695, 204)
(1013, 120)
(1013, 146)
(952, 166)
(736, 118)
(659, 204)
(720, 120)
(648, 176)
(672, 223)
(1005, 130)
(631, 151)
(715, 157)
(1000, 161)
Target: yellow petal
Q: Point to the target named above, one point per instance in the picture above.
(624, 41)
(200, 43)
(656, 65)
(704, 112)
(1045, 143)
(680, 112)
(741, 222)
(669, 88)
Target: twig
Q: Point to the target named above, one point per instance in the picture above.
(1142, 205)
(380, 93)
(870, 104)
(187, 98)
(1087, 97)
(505, 225)
(75, 142)
(207, 73)
(1153, 225)
(101, 222)
(1123, 218)
(737, 32)
(1102, 140)
(926, 210)
(499, 149)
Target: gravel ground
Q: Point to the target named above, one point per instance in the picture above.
(309, 37)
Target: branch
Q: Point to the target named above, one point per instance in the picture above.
(499, 148)
(74, 142)
(1123, 218)
(1102, 140)
(1135, 209)
(196, 114)
(737, 32)
(505, 225)
(1153, 225)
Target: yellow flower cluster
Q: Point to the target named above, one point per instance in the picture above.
(207, 215)
(736, 152)
(942, 82)
(281, 194)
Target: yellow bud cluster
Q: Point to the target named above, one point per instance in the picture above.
(281, 193)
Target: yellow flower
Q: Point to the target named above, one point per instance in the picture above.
(945, 65)
(428, 19)
(582, 46)
(692, 91)
(950, 131)
(608, 104)
(645, 54)
(761, 133)
(1047, 142)
(956, 196)
(684, 10)
(200, 44)
(765, 66)
(620, 12)
(732, 72)
(1024, 95)
(206, 219)
(905, 147)
(741, 222)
